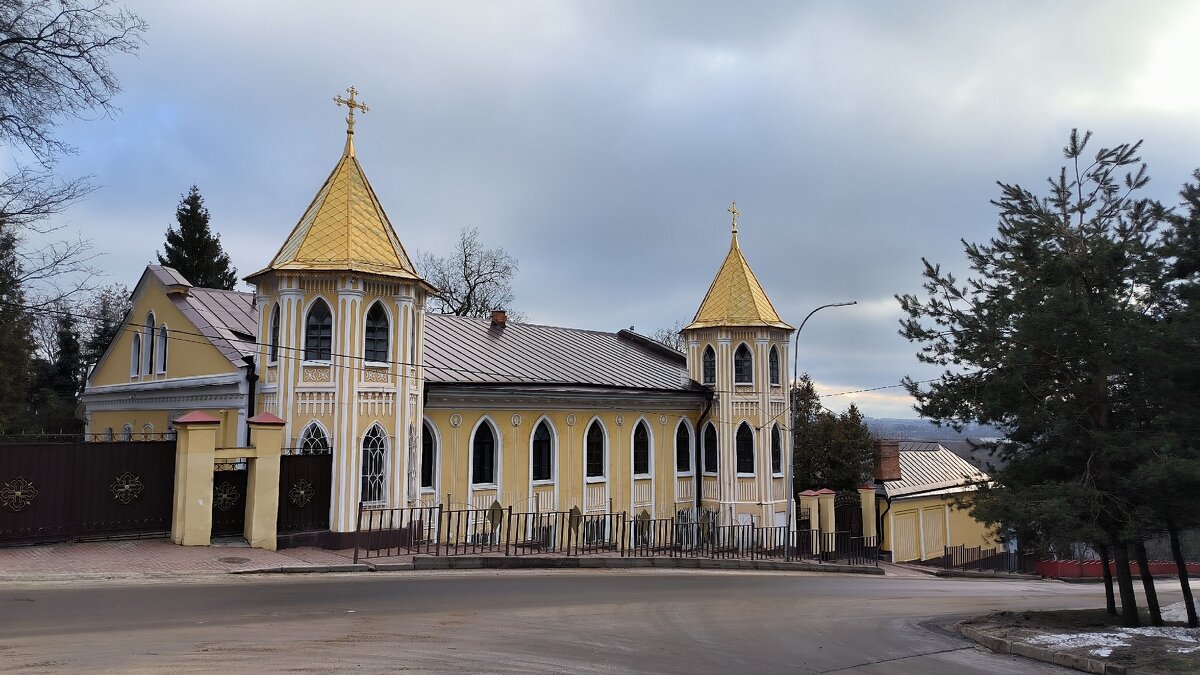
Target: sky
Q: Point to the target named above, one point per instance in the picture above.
(600, 143)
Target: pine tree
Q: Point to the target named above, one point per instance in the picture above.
(193, 250)
(16, 341)
(1053, 338)
(829, 450)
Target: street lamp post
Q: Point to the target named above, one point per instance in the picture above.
(791, 502)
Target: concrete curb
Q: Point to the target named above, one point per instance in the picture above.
(535, 562)
(969, 574)
(304, 569)
(1065, 659)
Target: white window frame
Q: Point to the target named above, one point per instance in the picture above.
(604, 451)
(383, 465)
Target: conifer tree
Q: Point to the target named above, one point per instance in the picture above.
(829, 450)
(1051, 339)
(16, 341)
(193, 250)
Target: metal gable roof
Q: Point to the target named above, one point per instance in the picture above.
(227, 318)
(930, 468)
(462, 350)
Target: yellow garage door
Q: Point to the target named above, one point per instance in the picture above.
(906, 537)
(935, 531)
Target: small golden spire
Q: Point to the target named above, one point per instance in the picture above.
(352, 104)
(735, 213)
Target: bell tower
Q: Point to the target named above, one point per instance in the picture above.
(738, 345)
(341, 318)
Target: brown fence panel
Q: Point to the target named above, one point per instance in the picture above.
(305, 483)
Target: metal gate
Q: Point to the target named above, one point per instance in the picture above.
(229, 499)
(847, 513)
(53, 492)
(305, 477)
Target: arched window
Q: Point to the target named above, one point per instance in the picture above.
(595, 451)
(744, 447)
(148, 344)
(108, 434)
(162, 348)
(428, 456)
(641, 450)
(318, 332)
(773, 365)
(710, 448)
(375, 347)
(743, 365)
(135, 355)
(776, 451)
(374, 463)
(127, 432)
(683, 448)
(483, 456)
(273, 336)
(313, 440)
(543, 452)
(708, 366)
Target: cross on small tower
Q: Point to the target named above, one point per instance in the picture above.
(735, 213)
(352, 104)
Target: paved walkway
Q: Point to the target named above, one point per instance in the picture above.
(148, 558)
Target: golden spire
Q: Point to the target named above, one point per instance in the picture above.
(735, 213)
(352, 104)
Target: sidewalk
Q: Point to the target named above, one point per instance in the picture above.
(154, 558)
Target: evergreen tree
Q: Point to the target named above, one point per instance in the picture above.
(103, 313)
(1052, 339)
(57, 383)
(16, 342)
(193, 250)
(829, 450)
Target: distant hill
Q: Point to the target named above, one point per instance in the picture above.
(902, 429)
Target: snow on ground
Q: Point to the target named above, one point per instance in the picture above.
(1102, 644)
(1175, 612)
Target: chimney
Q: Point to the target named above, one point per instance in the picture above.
(887, 460)
(499, 317)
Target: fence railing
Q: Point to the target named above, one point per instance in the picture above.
(979, 559)
(435, 530)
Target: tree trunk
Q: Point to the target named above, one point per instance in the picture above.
(1129, 612)
(1181, 568)
(1139, 549)
(1110, 600)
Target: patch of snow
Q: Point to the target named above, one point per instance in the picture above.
(1103, 651)
(1079, 640)
(1189, 635)
(1184, 650)
(1175, 612)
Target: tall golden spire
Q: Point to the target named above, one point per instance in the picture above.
(351, 104)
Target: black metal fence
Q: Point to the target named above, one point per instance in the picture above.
(435, 530)
(979, 559)
(304, 489)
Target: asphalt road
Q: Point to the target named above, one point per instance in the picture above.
(652, 621)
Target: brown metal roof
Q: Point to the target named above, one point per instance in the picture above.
(226, 318)
(464, 350)
(929, 468)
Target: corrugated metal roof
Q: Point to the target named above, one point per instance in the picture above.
(226, 318)
(466, 350)
(930, 468)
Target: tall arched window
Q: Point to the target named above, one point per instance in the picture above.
(542, 452)
(483, 456)
(273, 337)
(375, 347)
(127, 432)
(428, 456)
(148, 344)
(773, 365)
(374, 465)
(744, 447)
(708, 366)
(641, 450)
(710, 448)
(162, 348)
(683, 448)
(135, 355)
(743, 365)
(313, 440)
(776, 451)
(318, 332)
(595, 451)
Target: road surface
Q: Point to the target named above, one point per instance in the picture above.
(534, 620)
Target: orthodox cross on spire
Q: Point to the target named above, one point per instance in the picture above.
(733, 210)
(352, 104)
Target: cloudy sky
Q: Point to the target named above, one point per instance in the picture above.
(601, 142)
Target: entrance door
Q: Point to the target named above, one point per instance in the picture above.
(229, 500)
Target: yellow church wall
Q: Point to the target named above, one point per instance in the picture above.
(188, 354)
(454, 429)
(920, 528)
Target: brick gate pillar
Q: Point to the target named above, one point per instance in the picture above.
(195, 453)
(866, 498)
(262, 480)
(828, 520)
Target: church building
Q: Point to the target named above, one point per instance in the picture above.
(420, 409)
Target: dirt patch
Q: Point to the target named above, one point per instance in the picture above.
(1097, 635)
